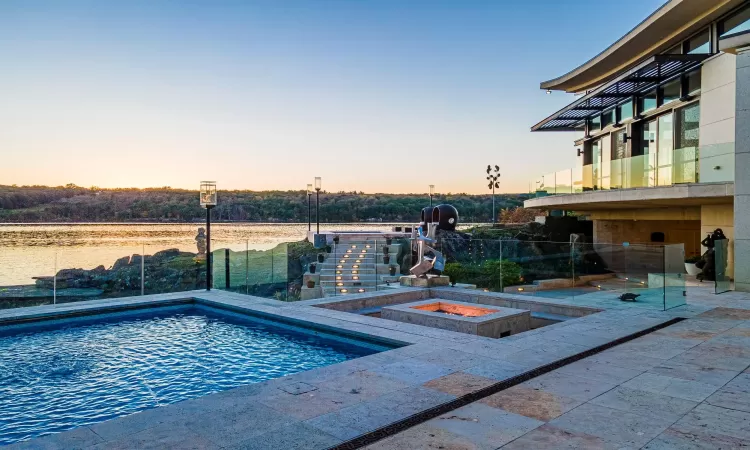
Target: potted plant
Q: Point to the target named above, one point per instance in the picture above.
(335, 239)
(386, 250)
(392, 270)
(388, 241)
(321, 257)
(328, 249)
(386, 259)
(690, 266)
(310, 284)
(313, 266)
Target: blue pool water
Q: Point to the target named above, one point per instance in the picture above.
(76, 372)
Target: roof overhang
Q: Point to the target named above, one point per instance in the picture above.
(666, 27)
(642, 78)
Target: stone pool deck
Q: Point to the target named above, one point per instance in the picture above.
(683, 386)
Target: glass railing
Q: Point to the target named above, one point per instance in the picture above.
(666, 168)
(585, 274)
(594, 275)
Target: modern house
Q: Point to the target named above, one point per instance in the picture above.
(662, 123)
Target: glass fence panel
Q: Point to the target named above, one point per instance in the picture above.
(577, 175)
(685, 168)
(30, 284)
(595, 275)
(564, 182)
(587, 177)
(721, 258)
(674, 276)
(618, 178)
(168, 270)
(82, 274)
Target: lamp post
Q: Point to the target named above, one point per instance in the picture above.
(492, 177)
(208, 201)
(318, 185)
(432, 191)
(309, 207)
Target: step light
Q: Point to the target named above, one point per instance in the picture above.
(343, 291)
(360, 290)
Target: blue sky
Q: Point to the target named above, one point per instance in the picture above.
(269, 94)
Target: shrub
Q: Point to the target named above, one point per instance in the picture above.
(492, 274)
(693, 259)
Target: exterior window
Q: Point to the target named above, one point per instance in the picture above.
(595, 124)
(694, 82)
(626, 111)
(648, 101)
(676, 50)
(738, 23)
(671, 91)
(619, 146)
(648, 137)
(699, 44)
(608, 118)
(687, 136)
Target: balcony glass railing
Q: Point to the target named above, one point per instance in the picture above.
(665, 168)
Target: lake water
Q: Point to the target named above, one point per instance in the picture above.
(29, 250)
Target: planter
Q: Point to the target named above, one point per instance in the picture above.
(321, 257)
(386, 259)
(313, 267)
(328, 249)
(386, 250)
(691, 269)
(310, 284)
(392, 270)
(335, 239)
(388, 241)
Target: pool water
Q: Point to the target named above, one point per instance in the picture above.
(75, 372)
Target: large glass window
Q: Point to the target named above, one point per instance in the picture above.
(665, 147)
(738, 23)
(699, 44)
(625, 111)
(648, 101)
(687, 136)
(648, 137)
(608, 118)
(619, 146)
(671, 91)
(595, 124)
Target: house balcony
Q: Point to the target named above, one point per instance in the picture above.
(653, 180)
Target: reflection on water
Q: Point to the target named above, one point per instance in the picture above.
(29, 250)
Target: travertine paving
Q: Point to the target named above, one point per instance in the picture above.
(683, 386)
(686, 386)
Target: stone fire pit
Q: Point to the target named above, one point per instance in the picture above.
(470, 318)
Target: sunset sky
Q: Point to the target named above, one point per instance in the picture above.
(269, 94)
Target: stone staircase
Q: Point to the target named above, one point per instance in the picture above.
(358, 266)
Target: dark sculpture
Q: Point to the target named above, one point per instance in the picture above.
(707, 264)
(441, 217)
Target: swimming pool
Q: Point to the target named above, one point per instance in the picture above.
(59, 375)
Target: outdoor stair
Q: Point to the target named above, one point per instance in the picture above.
(356, 267)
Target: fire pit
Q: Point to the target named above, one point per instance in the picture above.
(456, 309)
(485, 320)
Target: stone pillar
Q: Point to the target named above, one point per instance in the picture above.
(742, 174)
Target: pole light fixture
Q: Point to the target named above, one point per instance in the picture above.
(432, 192)
(309, 207)
(318, 186)
(208, 200)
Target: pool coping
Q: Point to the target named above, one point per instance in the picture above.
(390, 383)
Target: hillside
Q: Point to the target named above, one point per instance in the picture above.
(76, 204)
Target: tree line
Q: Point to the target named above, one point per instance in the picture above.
(73, 203)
